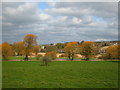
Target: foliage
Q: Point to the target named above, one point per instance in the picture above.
(36, 49)
(0, 51)
(45, 60)
(112, 52)
(18, 47)
(29, 42)
(71, 49)
(6, 50)
(88, 49)
(51, 54)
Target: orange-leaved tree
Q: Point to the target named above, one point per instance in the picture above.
(6, 50)
(29, 42)
(112, 52)
(88, 49)
(18, 47)
(71, 49)
(51, 54)
(0, 51)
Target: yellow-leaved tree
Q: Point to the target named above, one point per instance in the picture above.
(18, 47)
(29, 43)
(6, 50)
(112, 52)
(71, 49)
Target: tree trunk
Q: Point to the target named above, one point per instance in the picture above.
(18, 54)
(87, 58)
(72, 58)
(26, 57)
(69, 57)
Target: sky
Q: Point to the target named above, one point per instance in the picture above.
(59, 22)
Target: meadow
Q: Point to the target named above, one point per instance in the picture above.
(60, 74)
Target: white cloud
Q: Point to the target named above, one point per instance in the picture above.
(44, 16)
(76, 20)
(71, 11)
(102, 39)
(24, 14)
(63, 18)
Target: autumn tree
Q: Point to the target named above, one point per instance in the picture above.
(112, 52)
(88, 49)
(29, 42)
(36, 49)
(0, 51)
(6, 50)
(14, 47)
(51, 54)
(18, 47)
(71, 49)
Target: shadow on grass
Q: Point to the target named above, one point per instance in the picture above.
(116, 61)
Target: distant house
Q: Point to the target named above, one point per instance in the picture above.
(102, 50)
(42, 47)
(106, 43)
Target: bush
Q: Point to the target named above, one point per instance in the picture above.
(51, 54)
(45, 60)
(38, 56)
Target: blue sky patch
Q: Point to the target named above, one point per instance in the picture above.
(99, 19)
(43, 5)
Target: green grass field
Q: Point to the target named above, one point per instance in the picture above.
(60, 74)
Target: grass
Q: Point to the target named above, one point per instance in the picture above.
(66, 58)
(60, 74)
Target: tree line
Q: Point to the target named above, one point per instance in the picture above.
(87, 49)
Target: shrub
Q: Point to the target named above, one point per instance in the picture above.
(51, 54)
(45, 60)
